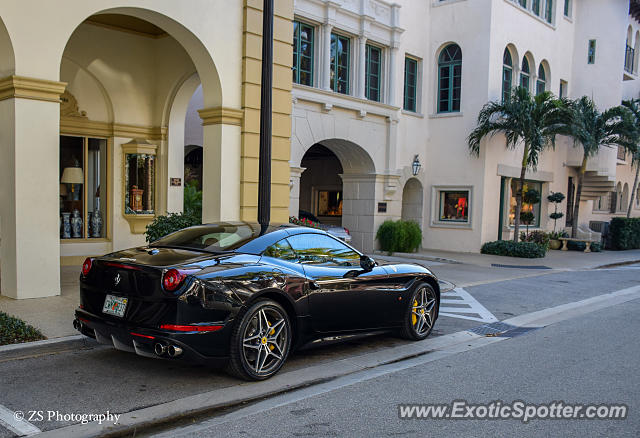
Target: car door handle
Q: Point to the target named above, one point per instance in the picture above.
(313, 285)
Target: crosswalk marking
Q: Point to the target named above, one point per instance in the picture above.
(469, 308)
(10, 421)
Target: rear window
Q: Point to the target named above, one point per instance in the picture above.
(214, 238)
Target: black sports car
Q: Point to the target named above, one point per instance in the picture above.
(230, 293)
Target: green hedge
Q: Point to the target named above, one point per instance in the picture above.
(625, 233)
(163, 225)
(399, 236)
(581, 246)
(15, 331)
(529, 250)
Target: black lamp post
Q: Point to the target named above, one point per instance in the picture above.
(415, 166)
(264, 174)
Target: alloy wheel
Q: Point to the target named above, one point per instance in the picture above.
(423, 311)
(265, 340)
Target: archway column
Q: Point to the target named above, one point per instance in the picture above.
(221, 164)
(29, 187)
(294, 190)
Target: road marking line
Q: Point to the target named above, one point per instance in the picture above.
(20, 427)
(473, 307)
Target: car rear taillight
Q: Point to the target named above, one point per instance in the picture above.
(347, 230)
(191, 328)
(172, 279)
(86, 266)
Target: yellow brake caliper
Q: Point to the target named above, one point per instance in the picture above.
(271, 332)
(414, 318)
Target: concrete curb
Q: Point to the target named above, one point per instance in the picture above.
(614, 265)
(416, 256)
(48, 346)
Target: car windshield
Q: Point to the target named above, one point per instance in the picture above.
(210, 238)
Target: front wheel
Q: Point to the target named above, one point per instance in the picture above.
(420, 313)
(260, 342)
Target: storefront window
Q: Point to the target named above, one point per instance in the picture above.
(139, 183)
(329, 203)
(454, 206)
(526, 207)
(83, 184)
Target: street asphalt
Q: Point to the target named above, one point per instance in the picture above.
(588, 360)
(98, 379)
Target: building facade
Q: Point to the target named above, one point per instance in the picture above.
(379, 86)
(372, 105)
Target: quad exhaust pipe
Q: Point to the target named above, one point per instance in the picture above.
(172, 351)
(77, 325)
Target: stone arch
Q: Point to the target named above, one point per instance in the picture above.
(196, 50)
(174, 116)
(529, 61)
(7, 57)
(412, 201)
(625, 197)
(544, 64)
(70, 68)
(353, 175)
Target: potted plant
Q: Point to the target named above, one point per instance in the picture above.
(555, 198)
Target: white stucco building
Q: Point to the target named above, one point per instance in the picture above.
(373, 100)
(377, 84)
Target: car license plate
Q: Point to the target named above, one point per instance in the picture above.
(114, 305)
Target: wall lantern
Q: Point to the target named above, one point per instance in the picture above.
(415, 166)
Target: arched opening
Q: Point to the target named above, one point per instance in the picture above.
(625, 197)
(525, 72)
(449, 79)
(508, 56)
(321, 193)
(543, 78)
(338, 186)
(412, 199)
(133, 74)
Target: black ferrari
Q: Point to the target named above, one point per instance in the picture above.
(234, 294)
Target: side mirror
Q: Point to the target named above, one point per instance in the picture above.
(367, 263)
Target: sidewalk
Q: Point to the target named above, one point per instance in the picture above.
(54, 315)
(555, 259)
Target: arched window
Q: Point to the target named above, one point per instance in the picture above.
(541, 83)
(525, 73)
(507, 75)
(449, 79)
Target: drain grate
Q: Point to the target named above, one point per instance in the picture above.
(500, 329)
(497, 265)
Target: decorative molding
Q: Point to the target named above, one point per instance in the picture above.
(138, 222)
(221, 116)
(21, 87)
(83, 126)
(139, 146)
(69, 106)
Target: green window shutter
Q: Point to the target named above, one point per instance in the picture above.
(303, 37)
(340, 60)
(410, 83)
(373, 60)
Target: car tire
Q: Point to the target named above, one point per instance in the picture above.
(420, 313)
(260, 341)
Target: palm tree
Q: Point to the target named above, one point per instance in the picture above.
(533, 121)
(592, 129)
(633, 105)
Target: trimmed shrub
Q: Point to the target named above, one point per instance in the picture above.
(581, 246)
(539, 237)
(15, 331)
(163, 225)
(193, 200)
(625, 233)
(528, 250)
(399, 236)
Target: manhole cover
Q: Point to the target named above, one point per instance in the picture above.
(501, 329)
